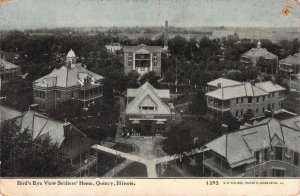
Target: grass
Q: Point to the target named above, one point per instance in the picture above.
(202, 129)
(123, 147)
(106, 162)
(135, 169)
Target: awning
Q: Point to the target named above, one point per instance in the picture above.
(136, 122)
(159, 123)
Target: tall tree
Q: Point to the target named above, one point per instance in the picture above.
(23, 157)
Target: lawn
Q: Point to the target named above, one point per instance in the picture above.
(202, 129)
(123, 147)
(135, 169)
(106, 162)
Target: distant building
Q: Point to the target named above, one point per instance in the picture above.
(148, 111)
(238, 98)
(268, 149)
(73, 145)
(70, 82)
(251, 57)
(142, 59)
(113, 47)
(8, 72)
(290, 66)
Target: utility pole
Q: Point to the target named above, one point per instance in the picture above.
(176, 75)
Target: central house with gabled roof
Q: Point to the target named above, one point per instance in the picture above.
(268, 149)
(142, 59)
(70, 82)
(148, 111)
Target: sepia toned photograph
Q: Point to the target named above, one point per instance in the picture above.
(140, 89)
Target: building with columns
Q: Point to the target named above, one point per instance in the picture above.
(142, 59)
(71, 82)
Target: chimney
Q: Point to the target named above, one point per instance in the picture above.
(69, 64)
(67, 129)
(219, 85)
(34, 107)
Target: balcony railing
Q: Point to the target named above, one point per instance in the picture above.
(221, 167)
(84, 164)
(219, 107)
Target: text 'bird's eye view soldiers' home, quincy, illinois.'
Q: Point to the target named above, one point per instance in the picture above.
(116, 90)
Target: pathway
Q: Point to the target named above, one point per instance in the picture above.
(149, 162)
(117, 168)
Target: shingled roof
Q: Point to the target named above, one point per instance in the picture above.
(291, 60)
(67, 77)
(242, 90)
(224, 82)
(239, 147)
(147, 95)
(7, 65)
(259, 52)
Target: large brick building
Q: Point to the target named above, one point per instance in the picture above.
(148, 111)
(70, 82)
(142, 59)
(268, 149)
(238, 98)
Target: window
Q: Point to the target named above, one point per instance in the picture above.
(266, 155)
(296, 158)
(269, 95)
(273, 105)
(257, 157)
(242, 112)
(257, 99)
(273, 94)
(277, 173)
(242, 100)
(237, 101)
(257, 111)
(130, 59)
(249, 99)
(263, 110)
(237, 113)
(278, 153)
(264, 97)
(72, 94)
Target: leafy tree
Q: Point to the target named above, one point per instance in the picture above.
(151, 78)
(23, 157)
(199, 105)
(179, 140)
(132, 79)
(230, 121)
(248, 115)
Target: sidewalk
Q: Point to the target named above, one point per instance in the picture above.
(117, 168)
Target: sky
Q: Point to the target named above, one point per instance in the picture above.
(28, 14)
